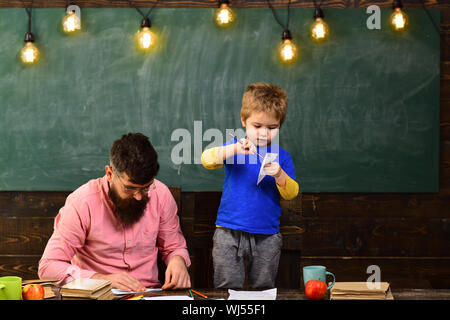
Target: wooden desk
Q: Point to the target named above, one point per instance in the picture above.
(292, 294)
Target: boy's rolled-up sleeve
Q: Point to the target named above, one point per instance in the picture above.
(291, 189)
(210, 159)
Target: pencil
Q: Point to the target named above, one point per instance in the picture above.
(200, 294)
(127, 296)
(242, 143)
(137, 297)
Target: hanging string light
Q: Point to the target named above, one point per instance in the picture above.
(72, 21)
(146, 39)
(224, 15)
(399, 20)
(29, 54)
(287, 50)
(319, 29)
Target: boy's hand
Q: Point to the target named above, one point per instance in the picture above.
(245, 146)
(273, 169)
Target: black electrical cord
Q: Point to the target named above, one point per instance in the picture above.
(315, 4)
(318, 13)
(285, 27)
(70, 2)
(144, 16)
(29, 13)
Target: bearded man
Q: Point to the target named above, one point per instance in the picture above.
(114, 227)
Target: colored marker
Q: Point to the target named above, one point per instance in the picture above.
(200, 294)
(137, 297)
(127, 296)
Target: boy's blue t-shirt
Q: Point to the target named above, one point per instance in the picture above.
(246, 206)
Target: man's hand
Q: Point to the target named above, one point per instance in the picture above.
(177, 276)
(123, 281)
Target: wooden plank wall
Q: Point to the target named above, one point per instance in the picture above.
(406, 235)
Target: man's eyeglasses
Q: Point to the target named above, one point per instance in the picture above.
(134, 190)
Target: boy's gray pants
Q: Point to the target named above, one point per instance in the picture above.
(231, 247)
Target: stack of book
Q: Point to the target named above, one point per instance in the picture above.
(87, 289)
(361, 291)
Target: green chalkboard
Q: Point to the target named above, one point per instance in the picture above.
(363, 108)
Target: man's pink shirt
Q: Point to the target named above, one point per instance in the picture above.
(89, 239)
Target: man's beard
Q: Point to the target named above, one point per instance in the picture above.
(128, 211)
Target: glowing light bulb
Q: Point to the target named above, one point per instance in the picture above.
(71, 22)
(29, 54)
(224, 16)
(319, 30)
(288, 52)
(146, 39)
(399, 19)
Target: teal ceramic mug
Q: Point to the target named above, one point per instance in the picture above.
(317, 273)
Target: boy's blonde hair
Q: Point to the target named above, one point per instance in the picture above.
(264, 97)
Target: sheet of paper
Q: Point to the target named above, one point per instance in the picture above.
(118, 292)
(270, 294)
(168, 298)
(268, 158)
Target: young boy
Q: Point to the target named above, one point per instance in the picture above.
(249, 213)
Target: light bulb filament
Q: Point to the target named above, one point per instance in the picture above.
(319, 30)
(288, 52)
(29, 54)
(399, 19)
(145, 38)
(71, 22)
(224, 16)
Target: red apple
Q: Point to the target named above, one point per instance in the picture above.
(315, 289)
(33, 292)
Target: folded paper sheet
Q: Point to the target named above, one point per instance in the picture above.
(268, 158)
(270, 294)
(122, 292)
(177, 297)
